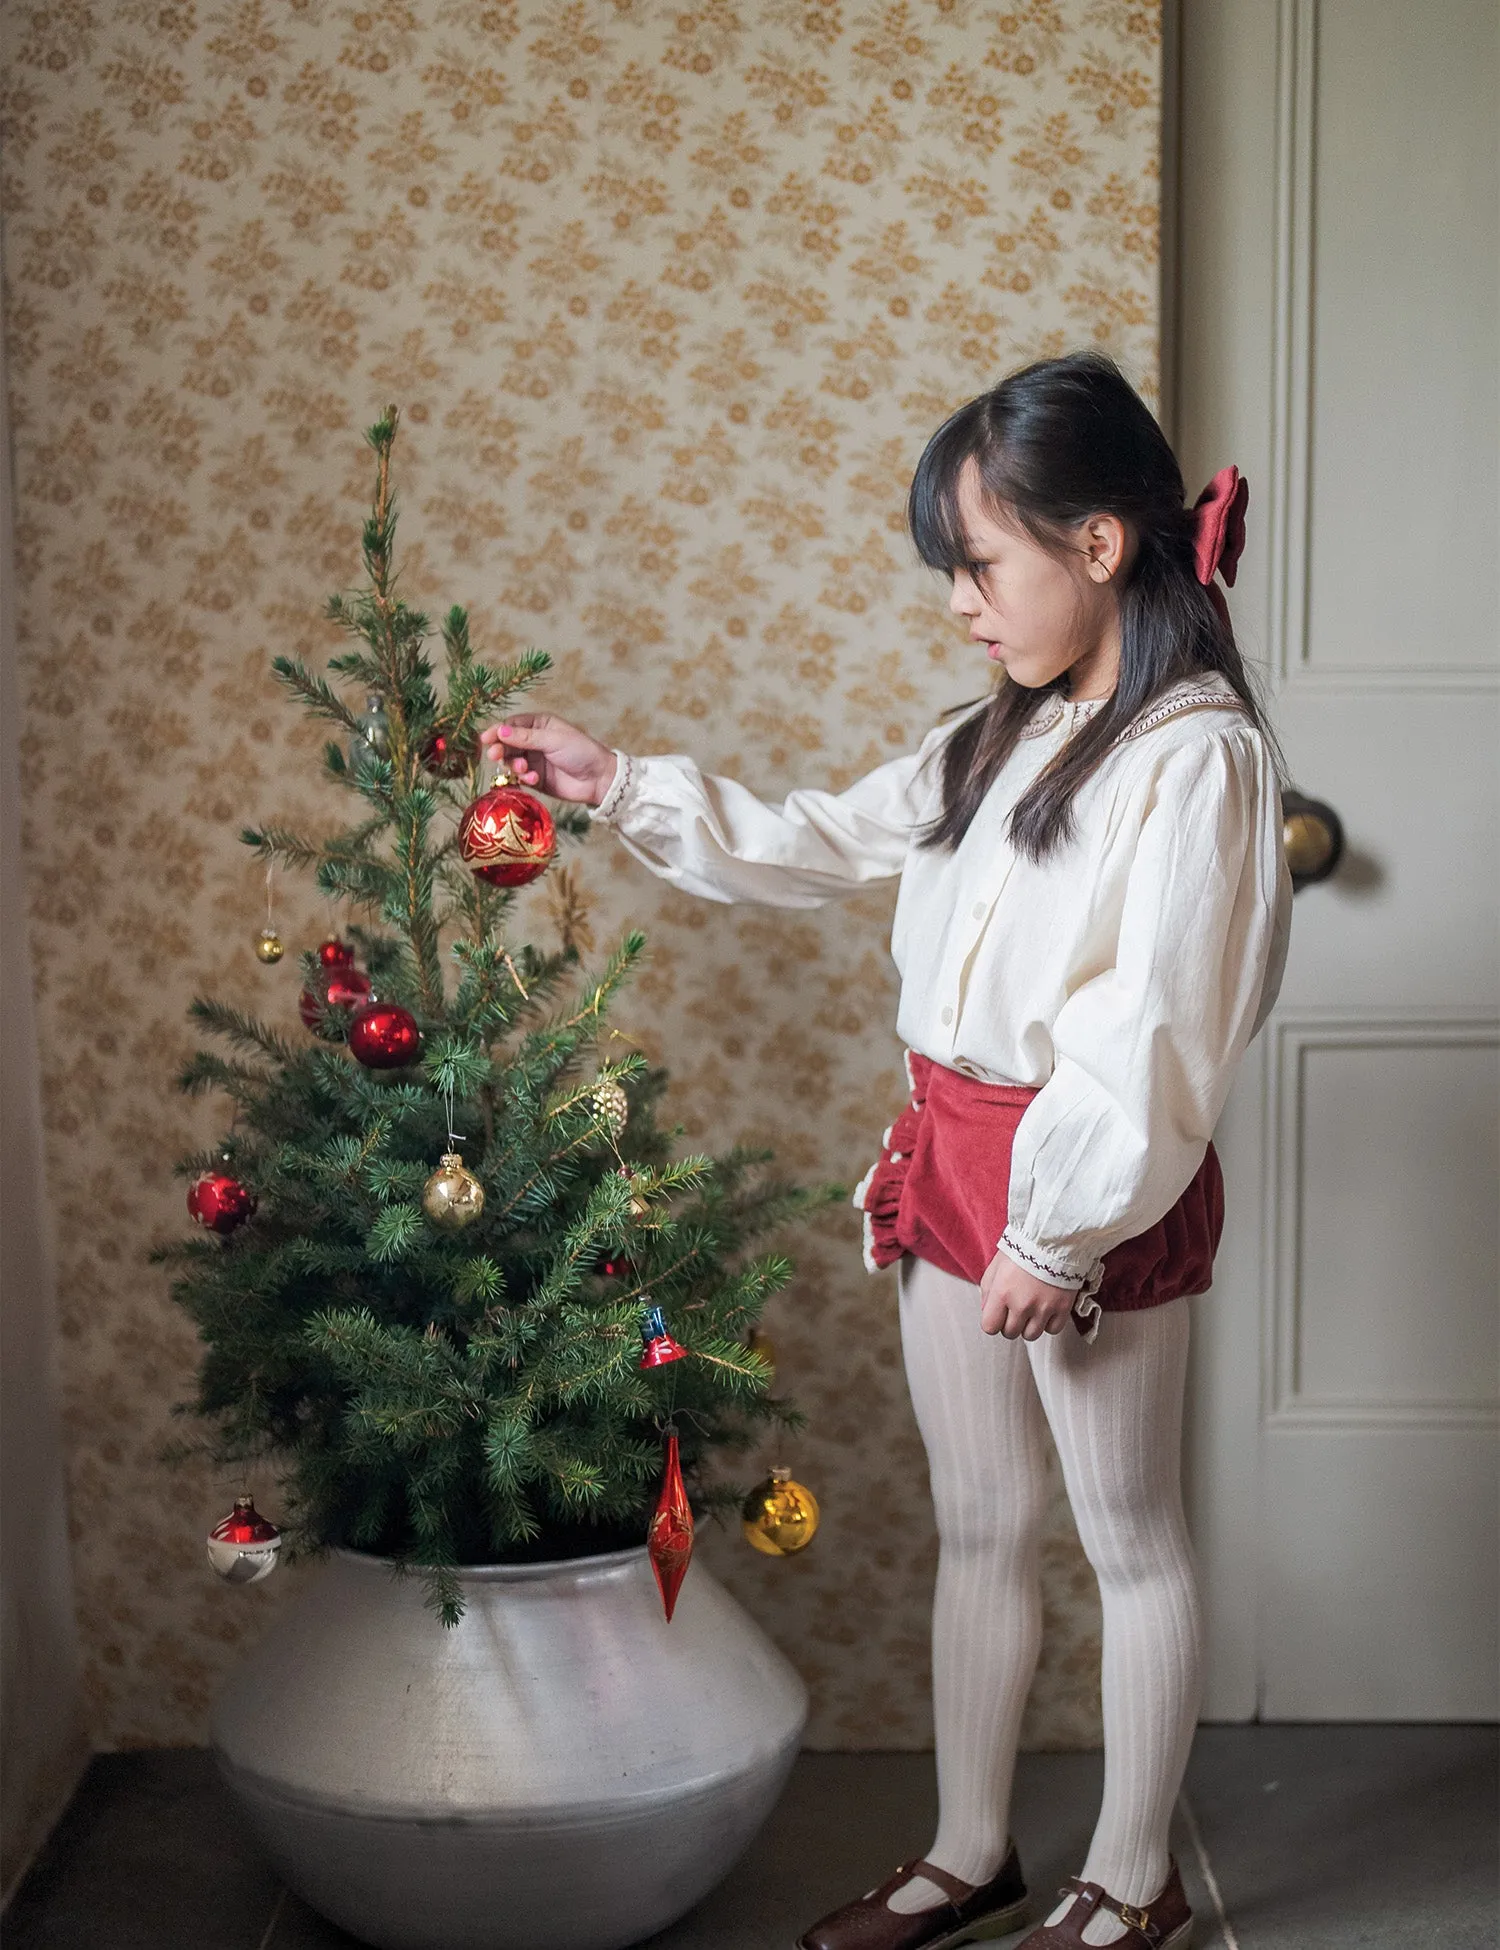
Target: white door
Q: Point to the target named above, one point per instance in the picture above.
(1333, 330)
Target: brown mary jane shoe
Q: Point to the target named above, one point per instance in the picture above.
(1165, 1924)
(972, 1913)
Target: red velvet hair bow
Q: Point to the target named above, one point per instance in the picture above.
(1219, 524)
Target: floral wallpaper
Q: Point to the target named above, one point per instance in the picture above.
(670, 296)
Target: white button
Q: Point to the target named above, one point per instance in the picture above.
(947, 1016)
(980, 910)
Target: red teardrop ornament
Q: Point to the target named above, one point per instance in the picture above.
(670, 1537)
(220, 1202)
(384, 1036)
(343, 986)
(506, 835)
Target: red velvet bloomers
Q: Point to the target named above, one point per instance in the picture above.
(941, 1190)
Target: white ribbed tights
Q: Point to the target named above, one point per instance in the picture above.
(1114, 1406)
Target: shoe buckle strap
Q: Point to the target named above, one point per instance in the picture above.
(1129, 1914)
(953, 1887)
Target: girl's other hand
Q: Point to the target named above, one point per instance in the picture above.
(552, 755)
(1020, 1306)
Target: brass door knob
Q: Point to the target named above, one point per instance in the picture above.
(1313, 836)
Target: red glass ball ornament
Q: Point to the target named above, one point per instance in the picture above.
(614, 1266)
(384, 1036)
(242, 1547)
(336, 954)
(506, 835)
(343, 987)
(448, 758)
(220, 1202)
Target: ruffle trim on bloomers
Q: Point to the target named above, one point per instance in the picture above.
(878, 1193)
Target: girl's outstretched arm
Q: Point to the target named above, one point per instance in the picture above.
(1145, 1052)
(714, 837)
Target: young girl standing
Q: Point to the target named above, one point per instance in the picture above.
(1091, 925)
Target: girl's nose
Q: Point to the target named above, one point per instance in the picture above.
(964, 600)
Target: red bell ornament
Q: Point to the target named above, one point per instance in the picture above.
(657, 1345)
(218, 1202)
(669, 1539)
(343, 986)
(384, 1036)
(506, 835)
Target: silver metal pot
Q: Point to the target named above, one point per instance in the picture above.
(563, 1770)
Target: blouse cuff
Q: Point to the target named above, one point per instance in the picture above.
(1056, 1268)
(1049, 1266)
(609, 807)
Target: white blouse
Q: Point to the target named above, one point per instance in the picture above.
(1122, 978)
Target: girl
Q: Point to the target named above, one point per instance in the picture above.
(1091, 926)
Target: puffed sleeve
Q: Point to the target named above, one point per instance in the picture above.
(1145, 1051)
(711, 836)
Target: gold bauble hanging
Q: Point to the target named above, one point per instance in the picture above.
(452, 1197)
(759, 1342)
(779, 1517)
(612, 1107)
(269, 946)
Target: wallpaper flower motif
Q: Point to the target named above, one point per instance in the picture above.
(671, 297)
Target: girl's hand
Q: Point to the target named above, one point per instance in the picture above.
(551, 754)
(1017, 1304)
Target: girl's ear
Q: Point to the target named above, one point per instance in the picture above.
(1105, 540)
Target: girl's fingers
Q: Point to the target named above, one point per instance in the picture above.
(536, 733)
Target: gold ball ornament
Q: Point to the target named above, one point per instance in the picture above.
(760, 1343)
(779, 1517)
(612, 1107)
(269, 946)
(452, 1197)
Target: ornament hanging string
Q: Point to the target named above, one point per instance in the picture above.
(269, 947)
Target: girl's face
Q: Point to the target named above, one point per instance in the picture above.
(1036, 614)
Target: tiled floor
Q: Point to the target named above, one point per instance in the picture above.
(1290, 1838)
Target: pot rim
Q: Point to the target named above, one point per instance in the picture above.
(548, 1567)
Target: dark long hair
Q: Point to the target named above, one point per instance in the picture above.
(1055, 443)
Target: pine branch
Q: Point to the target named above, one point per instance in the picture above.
(315, 694)
(242, 1030)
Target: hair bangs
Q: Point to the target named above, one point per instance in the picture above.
(932, 515)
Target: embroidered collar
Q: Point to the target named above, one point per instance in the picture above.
(1192, 694)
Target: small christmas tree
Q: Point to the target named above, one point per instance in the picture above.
(433, 1380)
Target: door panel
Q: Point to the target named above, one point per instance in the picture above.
(1387, 1137)
(1402, 164)
(1336, 272)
